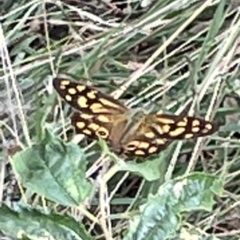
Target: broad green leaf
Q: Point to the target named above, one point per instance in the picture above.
(55, 170)
(150, 170)
(160, 216)
(33, 224)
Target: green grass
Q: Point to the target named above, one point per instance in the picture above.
(162, 57)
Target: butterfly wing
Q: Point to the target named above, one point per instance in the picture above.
(156, 131)
(99, 115)
(142, 146)
(108, 127)
(175, 127)
(85, 98)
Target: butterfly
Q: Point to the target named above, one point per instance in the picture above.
(131, 132)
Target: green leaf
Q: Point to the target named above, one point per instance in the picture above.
(55, 170)
(33, 224)
(150, 170)
(194, 233)
(160, 216)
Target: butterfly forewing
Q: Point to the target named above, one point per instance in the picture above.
(99, 115)
(173, 127)
(87, 99)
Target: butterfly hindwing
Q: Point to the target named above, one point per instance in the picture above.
(107, 127)
(157, 131)
(144, 147)
(143, 142)
(89, 125)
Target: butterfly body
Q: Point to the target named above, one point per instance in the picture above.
(131, 132)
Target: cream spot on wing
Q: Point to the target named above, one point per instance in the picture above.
(209, 126)
(86, 116)
(92, 94)
(97, 108)
(195, 129)
(149, 134)
(152, 149)
(185, 119)
(144, 145)
(160, 141)
(103, 118)
(72, 91)
(139, 153)
(65, 82)
(166, 128)
(68, 98)
(82, 102)
(87, 132)
(195, 123)
(189, 135)
(93, 126)
(81, 88)
(80, 125)
(177, 132)
(181, 123)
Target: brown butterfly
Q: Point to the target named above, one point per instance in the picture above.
(131, 132)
